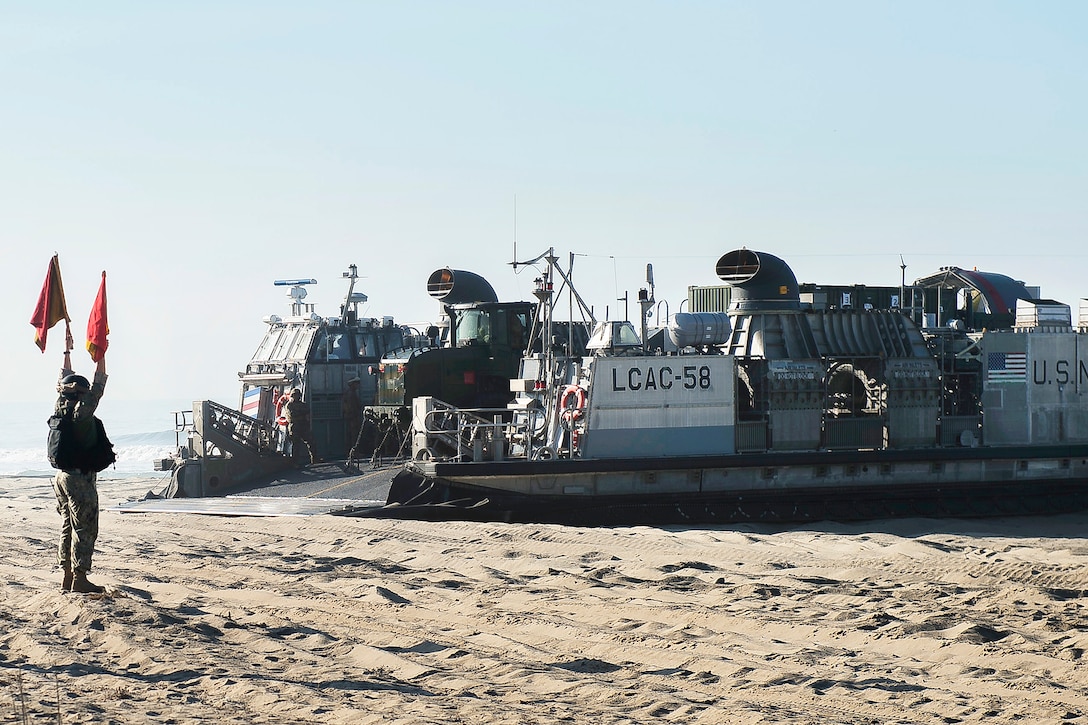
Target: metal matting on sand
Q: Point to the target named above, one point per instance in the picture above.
(244, 506)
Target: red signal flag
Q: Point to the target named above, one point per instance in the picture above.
(51, 307)
(98, 326)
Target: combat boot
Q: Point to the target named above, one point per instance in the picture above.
(80, 585)
(66, 583)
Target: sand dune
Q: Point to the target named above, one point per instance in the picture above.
(338, 620)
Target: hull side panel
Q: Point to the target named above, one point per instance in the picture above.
(650, 442)
(696, 495)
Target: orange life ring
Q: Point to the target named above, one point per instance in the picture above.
(572, 409)
(280, 402)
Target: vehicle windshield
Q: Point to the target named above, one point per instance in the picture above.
(473, 328)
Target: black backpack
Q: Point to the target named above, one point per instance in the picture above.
(67, 454)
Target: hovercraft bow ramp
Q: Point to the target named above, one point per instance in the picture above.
(325, 488)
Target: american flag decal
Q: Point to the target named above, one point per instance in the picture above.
(251, 402)
(1006, 366)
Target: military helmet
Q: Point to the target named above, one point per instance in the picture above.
(74, 383)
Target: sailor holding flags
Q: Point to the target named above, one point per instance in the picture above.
(76, 489)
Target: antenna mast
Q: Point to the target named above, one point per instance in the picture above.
(903, 286)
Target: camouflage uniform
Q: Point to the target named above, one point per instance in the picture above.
(77, 492)
(299, 428)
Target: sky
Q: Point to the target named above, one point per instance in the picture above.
(198, 151)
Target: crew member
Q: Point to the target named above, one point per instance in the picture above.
(299, 428)
(77, 491)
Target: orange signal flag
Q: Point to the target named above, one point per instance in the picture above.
(51, 307)
(98, 326)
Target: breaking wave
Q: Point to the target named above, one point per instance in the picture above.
(137, 431)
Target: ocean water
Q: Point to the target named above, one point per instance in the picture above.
(141, 432)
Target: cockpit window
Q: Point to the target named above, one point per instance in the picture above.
(624, 335)
(332, 345)
(519, 323)
(339, 346)
(614, 336)
(473, 328)
(364, 343)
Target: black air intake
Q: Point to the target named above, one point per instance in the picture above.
(457, 287)
(760, 281)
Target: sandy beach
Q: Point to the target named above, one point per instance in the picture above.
(325, 619)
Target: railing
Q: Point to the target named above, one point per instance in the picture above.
(471, 435)
(183, 426)
(220, 424)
